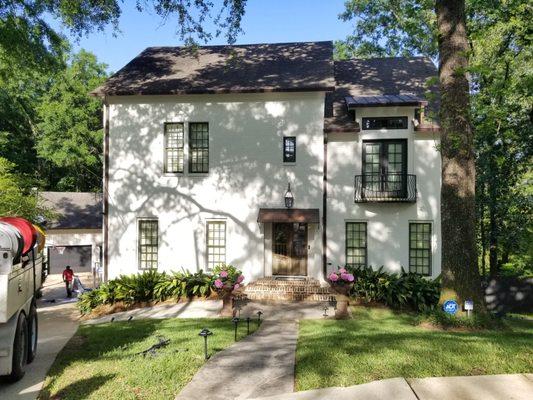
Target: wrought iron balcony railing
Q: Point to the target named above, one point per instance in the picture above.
(385, 188)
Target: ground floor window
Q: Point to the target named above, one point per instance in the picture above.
(420, 248)
(216, 243)
(356, 244)
(148, 243)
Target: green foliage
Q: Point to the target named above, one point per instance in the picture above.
(16, 196)
(70, 124)
(146, 287)
(184, 284)
(403, 290)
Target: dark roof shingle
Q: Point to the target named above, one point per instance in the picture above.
(305, 66)
(75, 210)
(381, 77)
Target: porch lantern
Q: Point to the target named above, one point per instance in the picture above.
(289, 198)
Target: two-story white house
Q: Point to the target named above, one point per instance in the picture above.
(202, 144)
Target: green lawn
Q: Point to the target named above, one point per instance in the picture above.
(378, 344)
(99, 361)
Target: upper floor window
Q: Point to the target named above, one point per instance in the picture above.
(198, 147)
(420, 248)
(376, 123)
(289, 149)
(216, 243)
(148, 243)
(174, 143)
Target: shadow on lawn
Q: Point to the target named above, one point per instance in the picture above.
(390, 346)
(78, 390)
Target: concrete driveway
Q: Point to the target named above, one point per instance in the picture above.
(57, 323)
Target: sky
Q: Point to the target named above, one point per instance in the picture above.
(265, 21)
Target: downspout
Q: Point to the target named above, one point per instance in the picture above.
(105, 201)
(325, 209)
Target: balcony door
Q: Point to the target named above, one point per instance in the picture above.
(289, 256)
(385, 167)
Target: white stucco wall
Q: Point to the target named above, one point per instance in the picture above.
(246, 172)
(387, 223)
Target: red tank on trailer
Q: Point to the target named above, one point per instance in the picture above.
(26, 229)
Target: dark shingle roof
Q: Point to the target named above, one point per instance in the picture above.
(375, 77)
(75, 210)
(306, 66)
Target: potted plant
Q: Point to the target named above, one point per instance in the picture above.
(341, 281)
(227, 279)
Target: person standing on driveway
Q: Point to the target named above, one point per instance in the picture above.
(68, 276)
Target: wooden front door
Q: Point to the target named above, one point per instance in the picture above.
(289, 249)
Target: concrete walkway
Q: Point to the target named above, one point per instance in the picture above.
(485, 387)
(262, 364)
(211, 309)
(57, 323)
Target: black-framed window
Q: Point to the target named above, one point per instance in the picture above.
(289, 149)
(198, 147)
(385, 123)
(216, 243)
(356, 244)
(174, 145)
(420, 248)
(148, 243)
(385, 166)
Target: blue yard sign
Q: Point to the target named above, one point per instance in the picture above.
(450, 307)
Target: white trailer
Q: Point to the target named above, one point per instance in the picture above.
(21, 272)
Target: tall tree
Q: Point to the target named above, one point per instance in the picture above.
(69, 132)
(460, 274)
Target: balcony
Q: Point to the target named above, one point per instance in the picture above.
(385, 188)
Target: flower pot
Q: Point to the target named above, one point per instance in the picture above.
(341, 312)
(227, 305)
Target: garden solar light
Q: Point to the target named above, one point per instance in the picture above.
(205, 333)
(236, 322)
(259, 313)
(248, 325)
(238, 307)
(325, 312)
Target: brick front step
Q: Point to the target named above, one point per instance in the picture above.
(287, 289)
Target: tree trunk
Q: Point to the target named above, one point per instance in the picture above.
(460, 274)
(483, 241)
(493, 240)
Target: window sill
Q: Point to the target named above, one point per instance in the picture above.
(289, 164)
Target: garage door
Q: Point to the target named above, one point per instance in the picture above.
(78, 257)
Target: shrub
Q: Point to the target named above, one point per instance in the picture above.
(403, 290)
(184, 284)
(137, 287)
(147, 286)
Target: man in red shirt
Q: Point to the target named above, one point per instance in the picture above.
(68, 276)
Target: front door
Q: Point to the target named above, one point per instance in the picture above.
(289, 249)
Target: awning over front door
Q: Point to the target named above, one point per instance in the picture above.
(303, 215)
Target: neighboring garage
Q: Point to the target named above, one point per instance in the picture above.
(74, 237)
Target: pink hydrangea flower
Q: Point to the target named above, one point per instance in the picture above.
(236, 286)
(218, 284)
(350, 278)
(223, 274)
(342, 271)
(240, 279)
(333, 277)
